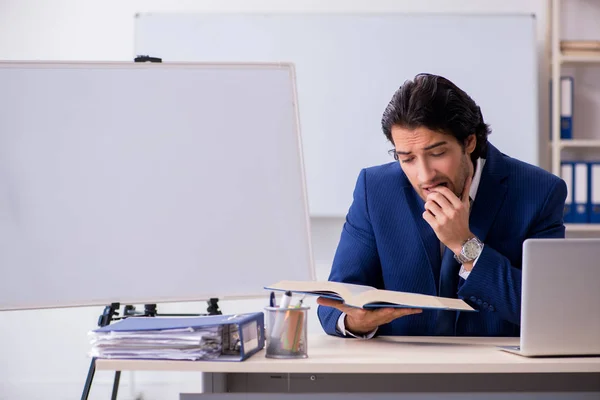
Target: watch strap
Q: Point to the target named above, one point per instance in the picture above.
(461, 259)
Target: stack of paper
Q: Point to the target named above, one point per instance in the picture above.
(200, 343)
(213, 337)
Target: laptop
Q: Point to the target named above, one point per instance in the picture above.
(560, 306)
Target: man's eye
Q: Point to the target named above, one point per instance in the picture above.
(407, 160)
(439, 154)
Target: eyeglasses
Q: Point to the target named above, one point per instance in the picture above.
(393, 153)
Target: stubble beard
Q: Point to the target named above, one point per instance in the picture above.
(465, 171)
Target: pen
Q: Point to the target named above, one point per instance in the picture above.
(300, 302)
(272, 300)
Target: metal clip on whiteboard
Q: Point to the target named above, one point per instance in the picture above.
(147, 59)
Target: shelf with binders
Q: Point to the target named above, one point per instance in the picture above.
(566, 141)
(575, 145)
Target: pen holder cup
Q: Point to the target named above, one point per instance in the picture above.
(286, 332)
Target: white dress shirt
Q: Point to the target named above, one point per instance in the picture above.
(341, 322)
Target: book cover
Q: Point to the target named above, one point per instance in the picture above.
(369, 297)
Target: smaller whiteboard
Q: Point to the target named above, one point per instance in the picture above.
(148, 183)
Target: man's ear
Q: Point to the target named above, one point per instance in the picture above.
(471, 143)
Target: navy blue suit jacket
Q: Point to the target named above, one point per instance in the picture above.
(387, 244)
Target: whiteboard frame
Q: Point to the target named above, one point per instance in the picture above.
(252, 294)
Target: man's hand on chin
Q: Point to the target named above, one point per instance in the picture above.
(448, 216)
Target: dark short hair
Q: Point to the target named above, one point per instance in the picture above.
(435, 103)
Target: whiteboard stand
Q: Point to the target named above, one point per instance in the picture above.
(150, 310)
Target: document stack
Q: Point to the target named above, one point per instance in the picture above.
(221, 337)
(172, 344)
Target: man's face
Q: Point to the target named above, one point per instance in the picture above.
(430, 158)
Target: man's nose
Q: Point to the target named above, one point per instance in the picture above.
(425, 173)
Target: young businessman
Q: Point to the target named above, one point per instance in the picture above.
(448, 219)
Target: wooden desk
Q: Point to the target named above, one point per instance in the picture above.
(408, 364)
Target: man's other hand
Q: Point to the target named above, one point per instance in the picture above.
(360, 321)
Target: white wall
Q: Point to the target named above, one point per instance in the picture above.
(43, 353)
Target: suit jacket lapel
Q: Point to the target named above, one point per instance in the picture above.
(490, 194)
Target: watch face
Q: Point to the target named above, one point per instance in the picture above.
(471, 249)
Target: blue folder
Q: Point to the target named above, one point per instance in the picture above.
(594, 191)
(247, 330)
(566, 173)
(566, 107)
(580, 192)
(566, 89)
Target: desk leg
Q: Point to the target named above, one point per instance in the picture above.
(88, 381)
(90, 378)
(116, 385)
(213, 382)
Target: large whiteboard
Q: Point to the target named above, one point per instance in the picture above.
(349, 66)
(141, 183)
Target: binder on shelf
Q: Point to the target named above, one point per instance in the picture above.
(206, 338)
(566, 173)
(566, 107)
(594, 191)
(580, 192)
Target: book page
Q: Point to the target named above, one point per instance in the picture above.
(411, 300)
(401, 298)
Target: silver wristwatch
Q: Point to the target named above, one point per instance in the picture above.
(471, 249)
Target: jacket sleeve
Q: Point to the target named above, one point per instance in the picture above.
(356, 259)
(494, 280)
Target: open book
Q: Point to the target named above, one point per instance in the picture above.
(368, 297)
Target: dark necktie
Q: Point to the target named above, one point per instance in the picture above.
(446, 320)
